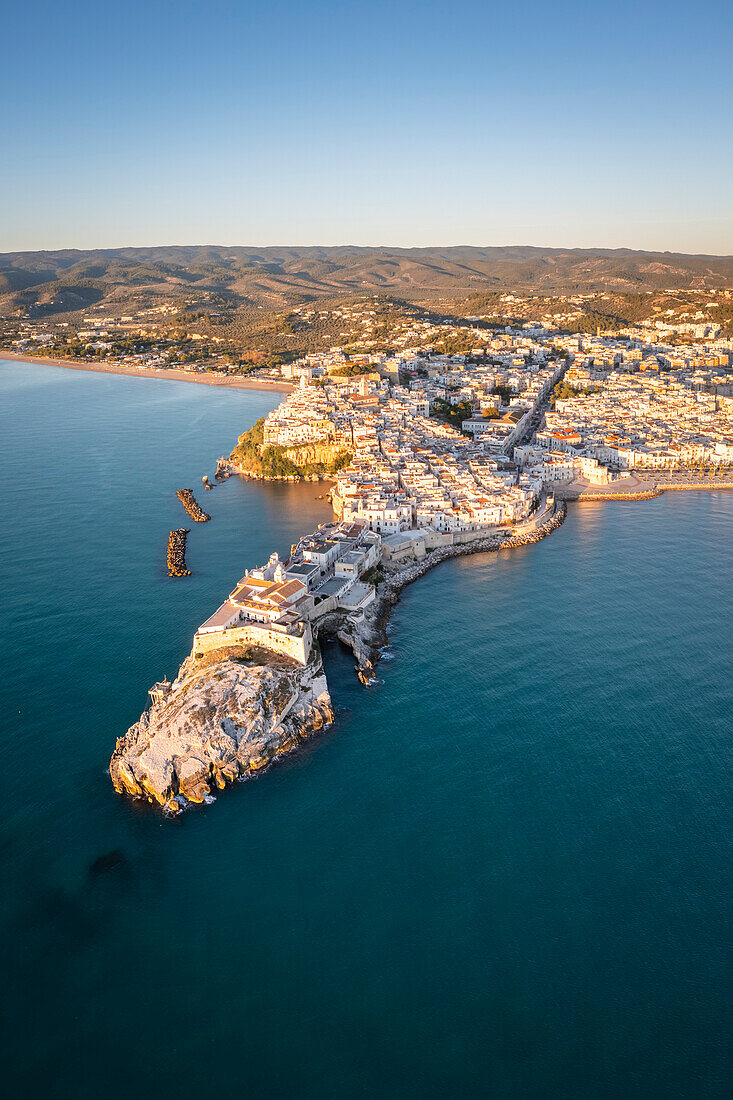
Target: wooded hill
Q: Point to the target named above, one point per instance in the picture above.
(47, 284)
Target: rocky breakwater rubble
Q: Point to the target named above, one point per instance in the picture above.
(366, 634)
(647, 494)
(177, 553)
(191, 505)
(224, 718)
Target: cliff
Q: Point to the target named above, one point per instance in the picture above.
(309, 454)
(254, 458)
(223, 719)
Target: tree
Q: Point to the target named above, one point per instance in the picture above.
(351, 370)
(452, 414)
(504, 392)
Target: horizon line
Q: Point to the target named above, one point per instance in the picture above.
(380, 248)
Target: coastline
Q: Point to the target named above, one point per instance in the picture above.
(276, 685)
(260, 705)
(165, 375)
(367, 636)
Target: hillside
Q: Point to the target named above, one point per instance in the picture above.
(51, 284)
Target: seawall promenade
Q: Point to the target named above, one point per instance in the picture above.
(580, 494)
(698, 486)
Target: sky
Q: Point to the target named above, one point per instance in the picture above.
(558, 124)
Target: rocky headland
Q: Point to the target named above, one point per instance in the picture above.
(255, 459)
(223, 718)
(229, 714)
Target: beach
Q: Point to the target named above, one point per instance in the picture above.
(165, 375)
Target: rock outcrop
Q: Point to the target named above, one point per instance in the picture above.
(366, 633)
(226, 716)
(221, 720)
(307, 454)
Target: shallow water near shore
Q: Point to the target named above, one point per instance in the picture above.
(505, 871)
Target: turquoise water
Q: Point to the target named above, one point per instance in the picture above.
(505, 872)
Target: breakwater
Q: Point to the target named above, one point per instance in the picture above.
(643, 494)
(706, 486)
(367, 636)
(191, 505)
(177, 553)
(408, 573)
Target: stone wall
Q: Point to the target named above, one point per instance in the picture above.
(289, 645)
(697, 485)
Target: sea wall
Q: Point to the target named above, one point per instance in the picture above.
(365, 634)
(646, 494)
(297, 647)
(690, 487)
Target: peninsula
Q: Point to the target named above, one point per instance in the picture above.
(429, 456)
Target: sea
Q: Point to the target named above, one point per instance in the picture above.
(504, 872)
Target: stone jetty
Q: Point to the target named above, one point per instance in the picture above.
(697, 485)
(643, 494)
(177, 553)
(189, 502)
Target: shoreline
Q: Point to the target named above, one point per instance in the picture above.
(164, 375)
(367, 637)
(154, 760)
(169, 756)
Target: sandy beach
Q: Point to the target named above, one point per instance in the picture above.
(143, 372)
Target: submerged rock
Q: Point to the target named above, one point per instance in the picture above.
(110, 861)
(222, 719)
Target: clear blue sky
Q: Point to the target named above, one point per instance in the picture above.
(405, 123)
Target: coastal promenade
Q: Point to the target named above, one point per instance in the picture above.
(581, 490)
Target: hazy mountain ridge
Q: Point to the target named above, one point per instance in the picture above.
(71, 280)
